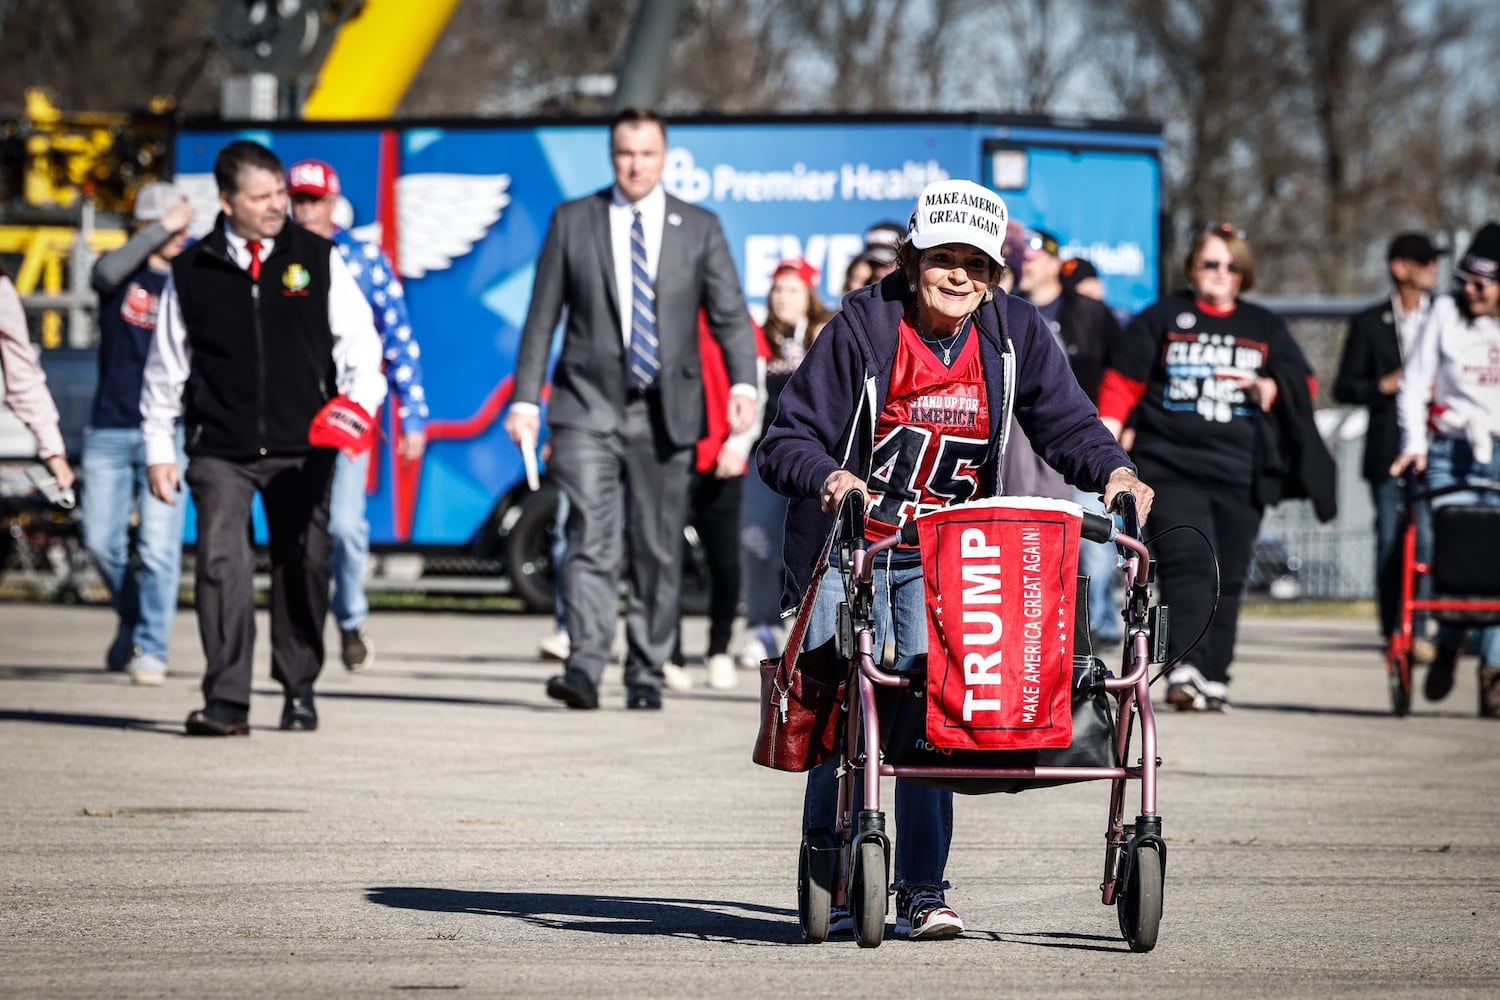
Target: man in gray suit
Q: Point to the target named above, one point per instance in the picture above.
(633, 266)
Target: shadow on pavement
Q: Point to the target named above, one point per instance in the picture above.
(1060, 939)
(694, 918)
(1357, 713)
(326, 695)
(89, 721)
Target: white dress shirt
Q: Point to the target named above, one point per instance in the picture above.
(1409, 324)
(356, 351)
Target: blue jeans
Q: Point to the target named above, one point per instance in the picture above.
(351, 540)
(1450, 460)
(762, 533)
(1100, 562)
(144, 596)
(924, 813)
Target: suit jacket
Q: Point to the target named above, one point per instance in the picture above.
(576, 269)
(1372, 351)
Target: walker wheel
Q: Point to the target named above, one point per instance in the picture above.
(867, 893)
(1139, 904)
(1398, 679)
(815, 871)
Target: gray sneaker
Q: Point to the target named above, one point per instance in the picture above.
(146, 670)
(358, 650)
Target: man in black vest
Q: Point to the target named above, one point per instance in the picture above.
(260, 325)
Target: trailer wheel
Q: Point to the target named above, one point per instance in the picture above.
(527, 551)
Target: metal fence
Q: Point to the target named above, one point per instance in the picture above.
(1334, 561)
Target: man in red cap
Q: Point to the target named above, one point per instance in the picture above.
(315, 192)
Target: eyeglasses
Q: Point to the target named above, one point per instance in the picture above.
(1224, 229)
(1214, 265)
(1474, 281)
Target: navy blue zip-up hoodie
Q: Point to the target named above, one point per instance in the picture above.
(826, 416)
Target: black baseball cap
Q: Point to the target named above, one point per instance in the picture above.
(1074, 270)
(1413, 246)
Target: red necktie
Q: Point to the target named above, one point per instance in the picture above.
(254, 246)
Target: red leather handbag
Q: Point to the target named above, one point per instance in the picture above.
(801, 708)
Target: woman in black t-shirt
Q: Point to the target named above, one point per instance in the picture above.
(1193, 370)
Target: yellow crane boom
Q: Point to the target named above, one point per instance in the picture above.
(374, 58)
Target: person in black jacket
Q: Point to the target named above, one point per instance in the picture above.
(259, 326)
(1369, 373)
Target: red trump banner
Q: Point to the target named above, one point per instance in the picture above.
(1000, 581)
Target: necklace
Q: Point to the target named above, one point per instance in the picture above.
(948, 347)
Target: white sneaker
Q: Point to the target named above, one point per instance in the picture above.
(555, 647)
(146, 670)
(675, 678)
(721, 672)
(751, 653)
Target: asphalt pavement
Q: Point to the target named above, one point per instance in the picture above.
(450, 829)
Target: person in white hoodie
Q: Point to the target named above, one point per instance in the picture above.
(1448, 408)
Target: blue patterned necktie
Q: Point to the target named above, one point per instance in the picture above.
(645, 353)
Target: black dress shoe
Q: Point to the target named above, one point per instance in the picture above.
(218, 719)
(299, 713)
(573, 690)
(645, 698)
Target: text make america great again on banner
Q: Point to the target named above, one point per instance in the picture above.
(1000, 579)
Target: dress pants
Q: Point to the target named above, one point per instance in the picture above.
(652, 510)
(294, 491)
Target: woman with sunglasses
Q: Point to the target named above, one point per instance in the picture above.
(1201, 373)
(1448, 408)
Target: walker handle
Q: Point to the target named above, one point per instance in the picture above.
(1098, 527)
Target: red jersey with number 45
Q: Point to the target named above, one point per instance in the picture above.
(932, 436)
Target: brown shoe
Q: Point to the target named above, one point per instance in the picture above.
(1423, 651)
(1489, 691)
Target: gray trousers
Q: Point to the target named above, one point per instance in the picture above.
(294, 492)
(651, 511)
